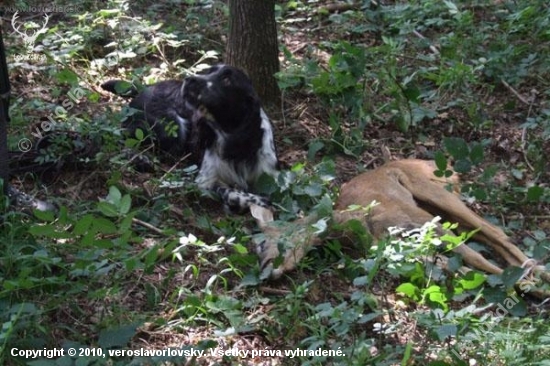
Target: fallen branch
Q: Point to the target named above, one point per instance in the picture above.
(432, 47)
(178, 163)
(515, 92)
(273, 291)
(148, 226)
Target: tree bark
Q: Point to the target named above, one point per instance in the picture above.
(252, 46)
(4, 115)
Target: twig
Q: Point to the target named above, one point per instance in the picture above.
(432, 47)
(273, 291)
(174, 166)
(523, 151)
(544, 302)
(515, 92)
(141, 153)
(148, 226)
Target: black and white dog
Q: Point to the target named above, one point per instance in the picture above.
(216, 115)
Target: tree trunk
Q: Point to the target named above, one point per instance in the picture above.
(4, 115)
(252, 46)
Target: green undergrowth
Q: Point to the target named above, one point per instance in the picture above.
(145, 260)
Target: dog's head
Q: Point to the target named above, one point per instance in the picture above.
(224, 95)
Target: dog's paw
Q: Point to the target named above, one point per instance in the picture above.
(26, 203)
(239, 201)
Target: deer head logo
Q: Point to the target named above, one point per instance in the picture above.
(29, 39)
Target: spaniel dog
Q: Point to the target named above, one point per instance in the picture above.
(215, 115)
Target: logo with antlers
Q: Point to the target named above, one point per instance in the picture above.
(29, 39)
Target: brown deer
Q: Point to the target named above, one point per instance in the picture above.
(408, 195)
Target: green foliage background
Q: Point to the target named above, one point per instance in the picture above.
(142, 259)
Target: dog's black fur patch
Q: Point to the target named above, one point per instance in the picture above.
(161, 108)
(218, 116)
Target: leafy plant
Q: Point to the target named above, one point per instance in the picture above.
(153, 262)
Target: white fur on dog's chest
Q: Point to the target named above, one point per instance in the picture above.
(217, 171)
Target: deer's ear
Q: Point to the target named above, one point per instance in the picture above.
(261, 214)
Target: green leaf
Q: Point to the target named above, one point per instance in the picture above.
(434, 295)
(125, 204)
(541, 250)
(139, 134)
(494, 280)
(131, 263)
(446, 331)
(123, 87)
(104, 226)
(407, 354)
(454, 263)
(412, 93)
(453, 9)
(107, 209)
(265, 185)
(250, 280)
(126, 223)
(130, 143)
(462, 166)
(480, 193)
(94, 97)
(66, 76)
(49, 231)
(298, 167)
(292, 5)
(224, 303)
(361, 281)
(511, 275)
(403, 122)
(87, 239)
(535, 193)
(409, 290)
(440, 161)
(104, 243)
(82, 225)
(457, 147)
(356, 227)
(104, 13)
(116, 337)
(314, 148)
(519, 309)
(476, 153)
(471, 280)
(114, 195)
(47, 216)
(507, 304)
(313, 190)
(324, 207)
(240, 249)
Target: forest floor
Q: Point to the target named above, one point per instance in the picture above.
(176, 302)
